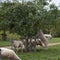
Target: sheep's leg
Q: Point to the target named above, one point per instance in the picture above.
(34, 45)
(34, 48)
(15, 49)
(10, 58)
(30, 47)
(22, 50)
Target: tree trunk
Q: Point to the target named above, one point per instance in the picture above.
(4, 36)
(26, 44)
(43, 38)
(35, 44)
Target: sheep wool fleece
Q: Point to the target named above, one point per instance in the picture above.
(8, 53)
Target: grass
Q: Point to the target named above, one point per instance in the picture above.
(52, 53)
(54, 40)
(5, 43)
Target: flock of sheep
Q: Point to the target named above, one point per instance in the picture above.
(11, 55)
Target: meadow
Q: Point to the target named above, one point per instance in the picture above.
(7, 43)
(52, 53)
(54, 40)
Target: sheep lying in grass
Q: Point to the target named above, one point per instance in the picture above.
(8, 53)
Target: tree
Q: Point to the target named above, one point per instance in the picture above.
(28, 18)
(24, 19)
(4, 15)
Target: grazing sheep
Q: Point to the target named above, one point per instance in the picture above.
(48, 36)
(34, 43)
(9, 54)
(44, 40)
(17, 44)
(37, 42)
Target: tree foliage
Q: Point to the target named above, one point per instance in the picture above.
(27, 18)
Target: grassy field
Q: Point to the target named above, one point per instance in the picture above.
(54, 40)
(7, 43)
(52, 53)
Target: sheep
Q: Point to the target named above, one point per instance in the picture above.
(9, 54)
(33, 43)
(44, 40)
(48, 36)
(17, 44)
(37, 42)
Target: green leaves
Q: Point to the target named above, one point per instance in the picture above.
(28, 18)
(24, 19)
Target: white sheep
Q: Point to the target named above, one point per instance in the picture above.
(8, 53)
(48, 36)
(17, 44)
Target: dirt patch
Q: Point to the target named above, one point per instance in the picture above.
(52, 44)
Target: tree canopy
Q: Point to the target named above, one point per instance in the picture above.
(28, 18)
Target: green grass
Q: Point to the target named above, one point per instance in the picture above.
(54, 40)
(5, 43)
(53, 53)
